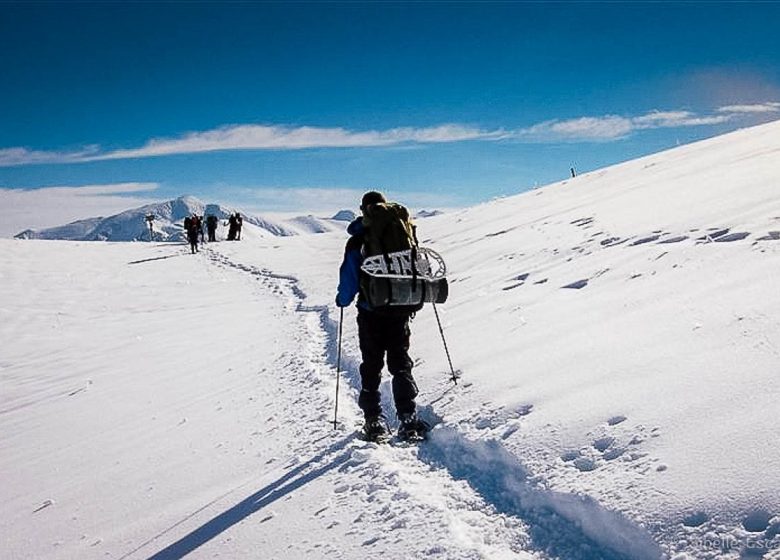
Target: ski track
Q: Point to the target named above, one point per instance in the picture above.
(479, 491)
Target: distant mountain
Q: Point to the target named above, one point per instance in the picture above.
(75, 230)
(428, 213)
(168, 223)
(344, 216)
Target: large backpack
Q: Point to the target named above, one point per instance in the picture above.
(388, 229)
(389, 232)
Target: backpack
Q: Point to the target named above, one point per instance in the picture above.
(388, 229)
(389, 232)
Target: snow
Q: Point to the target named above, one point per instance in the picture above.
(618, 350)
(132, 225)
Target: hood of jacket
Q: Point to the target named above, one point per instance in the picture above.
(356, 227)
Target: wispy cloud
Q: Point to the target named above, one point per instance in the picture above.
(22, 156)
(676, 119)
(771, 107)
(57, 205)
(256, 137)
(260, 137)
(605, 128)
(613, 127)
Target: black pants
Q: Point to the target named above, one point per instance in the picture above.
(192, 237)
(380, 335)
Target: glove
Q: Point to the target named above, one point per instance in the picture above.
(339, 303)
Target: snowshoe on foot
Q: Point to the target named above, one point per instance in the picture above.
(375, 429)
(412, 428)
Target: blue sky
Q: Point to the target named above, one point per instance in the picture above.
(301, 106)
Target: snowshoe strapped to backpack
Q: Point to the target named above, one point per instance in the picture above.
(402, 282)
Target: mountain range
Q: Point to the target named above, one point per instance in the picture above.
(132, 225)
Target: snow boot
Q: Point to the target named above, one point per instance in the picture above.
(412, 428)
(375, 429)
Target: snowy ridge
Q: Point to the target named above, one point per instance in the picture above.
(131, 225)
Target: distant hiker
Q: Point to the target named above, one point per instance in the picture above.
(231, 224)
(573, 172)
(232, 228)
(239, 224)
(201, 221)
(192, 228)
(381, 332)
(211, 225)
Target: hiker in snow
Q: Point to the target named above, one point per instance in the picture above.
(239, 223)
(211, 226)
(232, 227)
(381, 332)
(191, 227)
(201, 232)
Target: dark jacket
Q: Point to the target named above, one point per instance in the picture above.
(349, 272)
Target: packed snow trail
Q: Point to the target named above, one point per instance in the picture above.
(159, 406)
(550, 524)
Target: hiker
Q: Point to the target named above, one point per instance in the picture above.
(232, 227)
(191, 227)
(200, 229)
(211, 225)
(239, 223)
(381, 332)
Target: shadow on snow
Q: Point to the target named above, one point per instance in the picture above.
(293, 480)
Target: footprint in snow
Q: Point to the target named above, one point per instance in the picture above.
(578, 285)
(581, 222)
(585, 464)
(603, 443)
(771, 236)
(696, 519)
(732, 237)
(571, 455)
(613, 453)
(648, 239)
(757, 521)
(712, 234)
(676, 239)
(612, 241)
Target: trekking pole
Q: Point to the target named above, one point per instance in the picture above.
(454, 377)
(338, 369)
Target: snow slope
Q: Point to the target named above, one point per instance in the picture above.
(618, 338)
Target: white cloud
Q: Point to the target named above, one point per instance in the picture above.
(274, 137)
(675, 119)
(23, 156)
(608, 128)
(55, 206)
(771, 107)
(259, 137)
